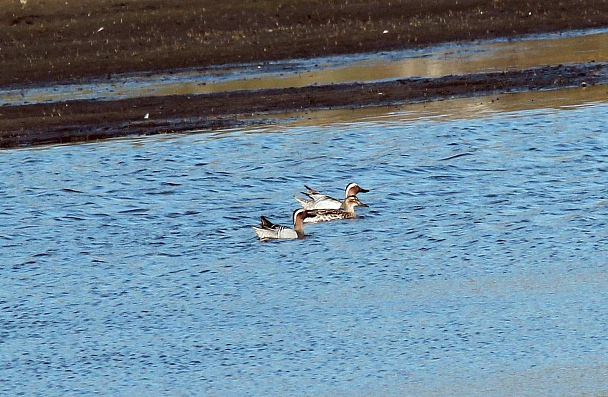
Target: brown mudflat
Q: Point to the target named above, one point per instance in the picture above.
(45, 42)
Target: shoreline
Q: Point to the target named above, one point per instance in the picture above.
(49, 43)
(86, 120)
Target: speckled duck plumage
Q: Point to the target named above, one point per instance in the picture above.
(325, 215)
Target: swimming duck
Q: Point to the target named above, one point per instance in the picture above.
(268, 230)
(324, 215)
(321, 201)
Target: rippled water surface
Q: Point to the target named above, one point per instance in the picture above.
(129, 267)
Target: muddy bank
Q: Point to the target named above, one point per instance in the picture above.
(53, 40)
(89, 120)
(45, 42)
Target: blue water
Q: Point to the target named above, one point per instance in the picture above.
(129, 267)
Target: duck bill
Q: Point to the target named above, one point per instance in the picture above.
(361, 190)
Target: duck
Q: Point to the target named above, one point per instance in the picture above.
(325, 215)
(321, 201)
(268, 230)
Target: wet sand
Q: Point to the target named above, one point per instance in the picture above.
(61, 42)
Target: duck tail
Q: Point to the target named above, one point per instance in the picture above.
(306, 204)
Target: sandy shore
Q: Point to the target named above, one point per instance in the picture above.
(72, 41)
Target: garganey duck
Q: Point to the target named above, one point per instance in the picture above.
(321, 201)
(324, 215)
(268, 230)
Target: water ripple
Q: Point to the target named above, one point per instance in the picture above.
(485, 238)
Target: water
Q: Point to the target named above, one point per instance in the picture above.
(129, 266)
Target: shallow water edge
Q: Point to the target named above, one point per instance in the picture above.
(77, 121)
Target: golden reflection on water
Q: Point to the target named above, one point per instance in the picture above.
(459, 108)
(435, 63)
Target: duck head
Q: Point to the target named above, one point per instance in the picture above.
(298, 220)
(353, 188)
(351, 202)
